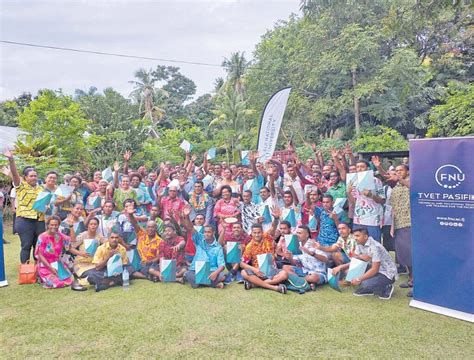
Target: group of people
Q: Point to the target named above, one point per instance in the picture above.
(334, 210)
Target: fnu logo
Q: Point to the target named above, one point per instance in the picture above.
(449, 176)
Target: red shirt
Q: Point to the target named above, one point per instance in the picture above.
(166, 251)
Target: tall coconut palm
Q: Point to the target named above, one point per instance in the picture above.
(147, 96)
(81, 93)
(235, 67)
(231, 120)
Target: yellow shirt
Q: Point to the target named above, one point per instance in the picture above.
(102, 253)
(26, 196)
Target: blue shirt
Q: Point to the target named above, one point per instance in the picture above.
(207, 252)
(328, 233)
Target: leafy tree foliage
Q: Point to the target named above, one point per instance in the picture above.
(58, 120)
(454, 117)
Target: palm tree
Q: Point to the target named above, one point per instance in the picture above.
(235, 68)
(81, 93)
(147, 96)
(231, 120)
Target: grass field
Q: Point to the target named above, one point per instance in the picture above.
(172, 321)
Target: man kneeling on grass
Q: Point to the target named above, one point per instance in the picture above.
(311, 264)
(262, 243)
(207, 249)
(382, 273)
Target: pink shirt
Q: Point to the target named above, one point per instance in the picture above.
(168, 204)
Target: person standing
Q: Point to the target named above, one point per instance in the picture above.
(401, 225)
(29, 222)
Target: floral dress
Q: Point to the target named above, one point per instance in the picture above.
(51, 246)
(226, 208)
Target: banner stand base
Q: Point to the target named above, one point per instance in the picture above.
(442, 310)
(3, 283)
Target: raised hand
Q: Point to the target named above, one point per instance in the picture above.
(8, 154)
(347, 149)
(187, 210)
(193, 158)
(116, 166)
(276, 211)
(287, 182)
(334, 153)
(314, 147)
(70, 219)
(376, 161)
(127, 155)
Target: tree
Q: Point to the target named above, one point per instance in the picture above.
(454, 117)
(57, 119)
(145, 94)
(380, 138)
(235, 68)
(115, 124)
(10, 109)
(232, 122)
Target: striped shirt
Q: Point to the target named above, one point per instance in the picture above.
(26, 196)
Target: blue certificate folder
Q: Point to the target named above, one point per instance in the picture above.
(134, 259)
(168, 270)
(265, 262)
(114, 265)
(356, 269)
(233, 252)
(63, 274)
(91, 246)
(290, 216)
(267, 217)
(42, 201)
(333, 280)
(203, 270)
(293, 244)
(245, 157)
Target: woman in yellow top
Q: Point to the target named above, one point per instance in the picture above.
(29, 223)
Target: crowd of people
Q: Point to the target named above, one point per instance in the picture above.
(336, 210)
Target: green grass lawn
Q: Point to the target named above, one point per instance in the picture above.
(171, 320)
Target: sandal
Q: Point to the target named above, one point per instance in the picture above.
(181, 280)
(312, 287)
(406, 285)
(220, 285)
(248, 285)
(282, 289)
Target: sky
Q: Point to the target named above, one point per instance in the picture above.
(199, 31)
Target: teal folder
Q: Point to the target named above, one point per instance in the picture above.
(233, 252)
(168, 270)
(293, 244)
(203, 270)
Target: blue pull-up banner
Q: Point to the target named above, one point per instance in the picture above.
(442, 210)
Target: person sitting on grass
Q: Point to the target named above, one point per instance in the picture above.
(379, 278)
(238, 235)
(345, 245)
(172, 248)
(104, 252)
(207, 249)
(311, 264)
(83, 261)
(49, 249)
(148, 244)
(262, 243)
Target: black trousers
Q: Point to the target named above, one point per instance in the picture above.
(28, 230)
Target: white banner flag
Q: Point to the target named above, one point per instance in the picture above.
(271, 123)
